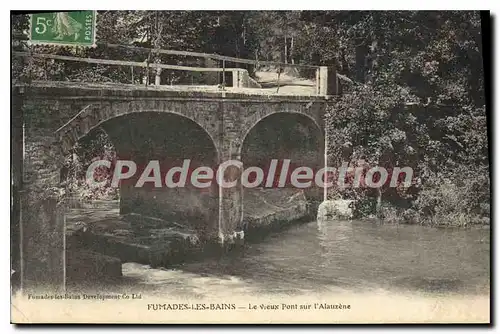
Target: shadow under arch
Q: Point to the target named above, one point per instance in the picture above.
(278, 114)
(282, 135)
(93, 116)
(169, 138)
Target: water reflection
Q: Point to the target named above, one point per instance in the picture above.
(344, 255)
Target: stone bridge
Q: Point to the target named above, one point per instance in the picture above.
(146, 123)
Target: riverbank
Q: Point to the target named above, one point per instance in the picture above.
(453, 219)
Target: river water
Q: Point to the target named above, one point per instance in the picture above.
(386, 273)
(332, 256)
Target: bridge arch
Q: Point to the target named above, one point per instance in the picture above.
(170, 137)
(256, 119)
(95, 115)
(284, 135)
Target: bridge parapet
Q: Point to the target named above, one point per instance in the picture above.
(323, 85)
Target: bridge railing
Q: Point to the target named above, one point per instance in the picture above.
(240, 77)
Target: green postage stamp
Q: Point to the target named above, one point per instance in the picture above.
(64, 28)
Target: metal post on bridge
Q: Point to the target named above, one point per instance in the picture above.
(326, 81)
(323, 80)
(158, 77)
(317, 81)
(223, 74)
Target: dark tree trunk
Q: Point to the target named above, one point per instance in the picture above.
(362, 52)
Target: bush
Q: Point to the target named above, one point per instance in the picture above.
(459, 199)
(96, 146)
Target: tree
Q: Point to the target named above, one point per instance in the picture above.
(419, 95)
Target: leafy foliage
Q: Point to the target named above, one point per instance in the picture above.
(95, 146)
(418, 101)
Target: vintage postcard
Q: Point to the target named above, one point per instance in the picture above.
(228, 167)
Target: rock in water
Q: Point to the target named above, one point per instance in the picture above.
(336, 209)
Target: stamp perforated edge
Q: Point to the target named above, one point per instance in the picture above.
(93, 45)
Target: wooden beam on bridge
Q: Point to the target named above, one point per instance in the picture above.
(118, 62)
(207, 55)
(196, 54)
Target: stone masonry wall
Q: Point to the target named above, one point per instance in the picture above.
(226, 117)
(42, 217)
